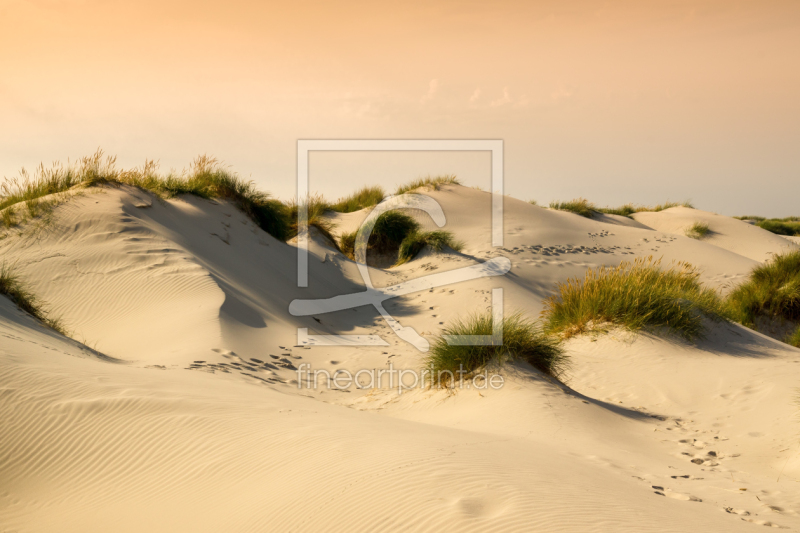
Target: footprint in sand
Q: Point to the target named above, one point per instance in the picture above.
(740, 512)
(661, 491)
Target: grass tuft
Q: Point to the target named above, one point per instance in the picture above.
(316, 207)
(780, 227)
(772, 291)
(366, 197)
(206, 178)
(698, 230)
(789, 226)
(794, 338)
(414, 242)
(10, 217)
(579, 206)
(14, 288)
(434, 183)
(634, 295)
(389, 231)
(522, 340)
(628, 209)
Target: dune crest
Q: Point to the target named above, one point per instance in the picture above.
(189, 416)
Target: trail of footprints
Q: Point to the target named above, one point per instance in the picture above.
(264, 370)
(703, 453)
(653, 244)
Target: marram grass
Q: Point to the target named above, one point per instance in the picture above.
(628, 209)
(12, 287)
(206, 178)
(585, 208)
(634, 295)
(781, 226)
(389, 231)
(698, 230)
(579, 206)
(523, 340)
(361, 199)
(430, 182)
(794, 338)
(315, 209)
(397, 232)
(417, 240)
(772, 291)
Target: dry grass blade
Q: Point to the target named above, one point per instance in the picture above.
(429, 182)
(12, 287)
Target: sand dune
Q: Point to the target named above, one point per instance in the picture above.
(189, 419)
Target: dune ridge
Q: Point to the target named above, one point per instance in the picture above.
(195, 424)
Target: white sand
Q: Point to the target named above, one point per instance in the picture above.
(142, 443)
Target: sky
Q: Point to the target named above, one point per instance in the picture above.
(615, 101)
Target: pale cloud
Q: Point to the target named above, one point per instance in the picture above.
(561, 94)
(506, 99)
(475, 95)
(433, 87)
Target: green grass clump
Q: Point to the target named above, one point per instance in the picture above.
(771, 291)
(206, 178)
(347, 244)
(366, 197)
(9, 217)
(794, 338)
(14, 288)
(390, 229)
(628, 209)
(579, 206)
(316, 208)
(434, 183)
(522, 340)
(789, 226)
(780, 227)
(698, 230)
(417, 240)
(634, 296)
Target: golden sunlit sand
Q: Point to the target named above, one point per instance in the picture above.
(180, 410)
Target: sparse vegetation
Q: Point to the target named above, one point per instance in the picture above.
(522, 340)
(10, 216)
(794, 338)
(417, 240)
(698, 230)
(206, 178)
(633, 295)
(366, 197)
(789, 226)
(628, 209)
(396, 232)
(780, 227)
(390, 229)
(316, 208)
(579, 206)
(12, 287)
(585, 208)
(772, 291)
(429, 182)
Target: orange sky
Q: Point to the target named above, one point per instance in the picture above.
(617, 101)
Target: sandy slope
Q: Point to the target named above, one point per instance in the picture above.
(729, 233)
(147, 441)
